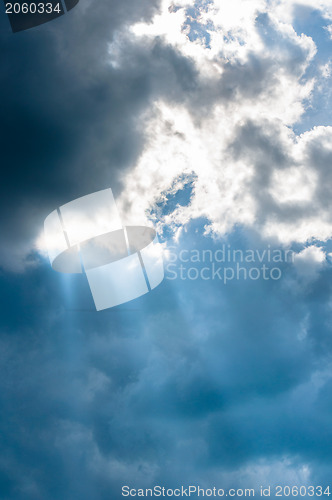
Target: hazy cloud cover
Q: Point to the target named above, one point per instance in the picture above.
(210, 121)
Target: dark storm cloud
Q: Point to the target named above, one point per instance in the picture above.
(72, 122)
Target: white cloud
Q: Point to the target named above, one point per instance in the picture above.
(256, 71)
(309, 262)
(286, 9)
(292, 185)
(329, 30)
(327, 68)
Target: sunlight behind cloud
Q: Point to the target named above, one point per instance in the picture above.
(256, 66)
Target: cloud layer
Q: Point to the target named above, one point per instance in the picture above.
(210, 122)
